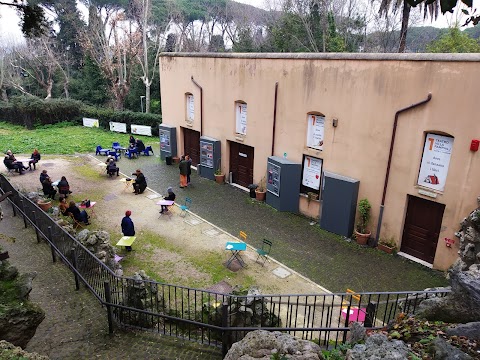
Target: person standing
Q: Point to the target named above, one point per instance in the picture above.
(183, 166)
(140, 183)
(43, 176)
(34, 158)
(188, 159)
(128, 229)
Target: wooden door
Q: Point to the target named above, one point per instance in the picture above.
(241, 163)
(191, 145)
(422, 228)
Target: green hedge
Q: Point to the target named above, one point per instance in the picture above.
(32, 111)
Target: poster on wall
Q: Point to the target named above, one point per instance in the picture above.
(190, 107)
(141, 130)
(312, 172)
(90, 122)
(315, 131)
(206, 154)
(165, 141)
(273, 178)
(435, 161)
(241, 126)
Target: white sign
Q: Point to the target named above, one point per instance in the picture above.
(90, 122)
(118, 127)
(190, 107)
(141, 130)
(315, 132)
(435, 161)
(241, 110)
(312, 172)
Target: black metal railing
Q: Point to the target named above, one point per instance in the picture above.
(208, 317)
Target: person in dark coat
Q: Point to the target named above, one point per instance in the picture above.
(132, 141)
(48, 189)
(64, 187)
(43, 176)
(11, 162)
(140, 145)
(34, 158)
(183, 166)
(128, 229)
(112, 168)
(170, 196)
(80, 216)
(140, 183)
(188, 159)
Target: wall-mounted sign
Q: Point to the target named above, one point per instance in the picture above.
(90, 122)
(190, 107)
(141, 130)
(241, 118)
(312, 172)
(315, 131)
(118, 127)
(165, 141)
(206, 154)
(435, 161)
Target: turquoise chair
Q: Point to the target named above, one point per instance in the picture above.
(186, 207)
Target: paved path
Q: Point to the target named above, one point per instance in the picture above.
(75, 326)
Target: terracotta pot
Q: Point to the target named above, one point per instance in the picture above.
(362, 239)
(176, 160)
(385, 248)
(220, 179)
(44, 205)
(260, 195)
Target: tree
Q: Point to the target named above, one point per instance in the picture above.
(454, 41)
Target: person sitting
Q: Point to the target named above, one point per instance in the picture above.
(112, 168)
(64, 187)
(132, 141)
(128, 229)
(43, 176)
(48, 189)
(80, 216)
(140, 183)
(12, 164)
(170, 196)
(139, 145)
(34, 158)
(63, 206)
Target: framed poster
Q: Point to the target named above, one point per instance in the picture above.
(312, 172)
(190, 107)
(165, 141)
(118, 127)
(273, 178)
(206, 154)
(315, 131)
(141, 130)
(90, 122)
(435, 161)
(241, 121)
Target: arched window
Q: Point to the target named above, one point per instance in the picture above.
(241, 117)
(315, 130)
(190, 107)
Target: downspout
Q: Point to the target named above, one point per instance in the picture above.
(274, 118)
(392, 142)
(201, 105)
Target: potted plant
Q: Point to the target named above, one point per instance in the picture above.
(311, 196)
(362, 233)
(387, 245)
(261, 190)
(44, 204)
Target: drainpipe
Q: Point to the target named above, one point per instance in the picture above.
(201, 105)
(274, 117)
(392, 142)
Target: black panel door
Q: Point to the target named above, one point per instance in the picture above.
(191, 144)
(241, 163)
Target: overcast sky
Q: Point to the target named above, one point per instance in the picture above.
(9, 29)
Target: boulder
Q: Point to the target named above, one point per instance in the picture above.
(262, 344)
(10, 351)
(442, 350)
(378, 347)
(469, 330)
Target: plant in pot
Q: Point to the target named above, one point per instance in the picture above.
(219, 176)
(311, 196)
(362, 233)
(44, 204)
(387, 245)
(261, 190)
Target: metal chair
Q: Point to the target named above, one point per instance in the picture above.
(186, 207)
(264, 251)
(115, 154)
(147, 151)
(131, 152)
(116, 146)
(101, 151)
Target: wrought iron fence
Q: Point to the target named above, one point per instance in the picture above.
(208, 317)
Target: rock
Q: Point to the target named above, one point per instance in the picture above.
(83, 235)
(379, 347)
(25, 284)
(445, 351)
(92, 240)
(357, 333)
(10, 351)
(8, 272)
(470, 330)
(262, 344)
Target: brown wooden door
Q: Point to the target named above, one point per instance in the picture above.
(422, 228)
(241, 163)
(191, 145)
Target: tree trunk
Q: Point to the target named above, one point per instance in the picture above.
(147, 98)
(49, 89)
(403, 31)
